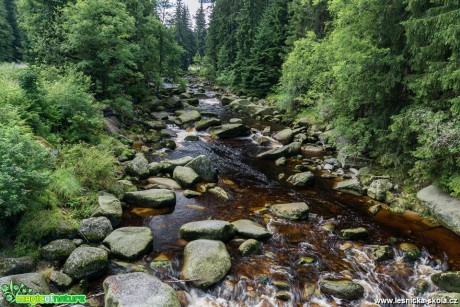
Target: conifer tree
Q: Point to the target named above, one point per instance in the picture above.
(6, 35)
(200, 30)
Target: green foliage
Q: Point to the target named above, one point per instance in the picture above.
(24, 165)
(200, 31)
(93, 166)
(6, 34)
(183, 34)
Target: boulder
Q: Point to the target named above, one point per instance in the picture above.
(343, 289)
(139, 290)
(353, 233)
(191, 194)
(129, 242)
(446, 297)
(192, 138)
(281, 161)
(110, 207)
(86, 262)
(138, 167)
(154, 198)
(209, 229)
(250, 247)
(447, 281)
(205, 262)
(302, 179)
(443, 206)
(121, 187)
(95, 229)
(291, 211)
(169, 165)
(188, 117)
(235, 121)
(13, 266)
(292, 149)
(34, 281)
(231, 131)
(411, 252)
(250, 229)
(226, 100)
(165, 183)
(58, 249)
(207, 123)
(284, 136)
(204, 167)
(350, 186)
(219, 192)
(61, 280)
(381, 252)
(378, 189)
(186, 176)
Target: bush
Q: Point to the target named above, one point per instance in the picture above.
(24, 165)
(93, 166)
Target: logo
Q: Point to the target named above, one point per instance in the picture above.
(20, 294)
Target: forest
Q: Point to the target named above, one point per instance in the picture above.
(78, 78)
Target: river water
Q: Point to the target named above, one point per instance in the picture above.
(251, 184)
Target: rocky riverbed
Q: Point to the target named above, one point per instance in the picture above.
(223, 202)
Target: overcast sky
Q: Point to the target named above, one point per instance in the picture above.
(193, 5)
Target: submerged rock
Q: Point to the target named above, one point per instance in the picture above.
(86, 262)
(138, 289)
(109, 207)
(219, 192)
(209, 229)
(206, 262)
(204, 167)
(248, 228)
(231, 131)
(250, 247)
(186, 176)
(410, 251)
(95, 229)
(381, 252)
(304, 179)
(58, 249)
(343, 289)
(129, 242)
(154, 198)
(12, 266)
(291, 211)
(292, 149)
(447, 281)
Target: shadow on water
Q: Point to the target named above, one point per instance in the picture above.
(251, 184)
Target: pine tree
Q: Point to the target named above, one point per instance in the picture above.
(183, 34)
(267, 52)
(6, 35)
(200, 30)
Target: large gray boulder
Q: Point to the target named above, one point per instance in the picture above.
(284, 136)
(153, 198)
(188, 117)
(231, 131)
(447, 281)
(86, 262)
(12, 266)
(138, 290)
(292, 149)
(251, 229)
(138, 167)
(443, 206)
(129, 242)
(291, 211)
(95, 229)
(304, 179)
(205, 262)
(110, 207)
(58, 249)
(207, 123)
(350, 186)
(186, 176)
(34, 281)
(378, 189)
(204, 167)
(343, 289)
(209, 229)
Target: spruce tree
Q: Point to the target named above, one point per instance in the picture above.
(200, 30)
(6, 35)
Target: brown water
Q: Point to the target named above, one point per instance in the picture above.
(252, 183)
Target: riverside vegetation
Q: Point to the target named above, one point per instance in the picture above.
(97, 134)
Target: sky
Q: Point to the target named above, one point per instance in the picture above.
(193, 5)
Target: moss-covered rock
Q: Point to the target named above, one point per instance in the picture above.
(86, 262)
